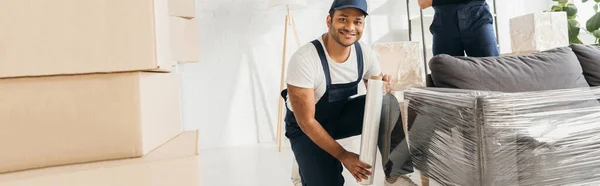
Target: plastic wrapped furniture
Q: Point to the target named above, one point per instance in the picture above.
(404, 62)
(539, 31)
(391, 141)
(463, 137)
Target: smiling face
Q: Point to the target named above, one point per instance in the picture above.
(346, 26)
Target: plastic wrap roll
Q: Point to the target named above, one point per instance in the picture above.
(370, 130)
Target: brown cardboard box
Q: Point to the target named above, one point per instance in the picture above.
(174, 163)
(185, 34)
(182, 8)
(83, 36)
(58, 120)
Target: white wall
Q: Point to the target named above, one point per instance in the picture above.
(584, 13)
(232, 94)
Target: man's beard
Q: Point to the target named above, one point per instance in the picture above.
(336, 36)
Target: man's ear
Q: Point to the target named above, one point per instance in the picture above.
(328, 21)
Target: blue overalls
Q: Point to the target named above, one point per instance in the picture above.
(460, 28)
(340, 115)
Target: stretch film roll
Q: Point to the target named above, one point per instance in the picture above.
(370, 130)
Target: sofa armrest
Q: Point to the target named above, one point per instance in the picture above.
(436, 116)
(465, 137)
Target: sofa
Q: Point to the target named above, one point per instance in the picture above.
(527, 119)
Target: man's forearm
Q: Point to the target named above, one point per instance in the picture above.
(319, 136)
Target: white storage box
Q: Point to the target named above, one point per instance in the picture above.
(539, 31)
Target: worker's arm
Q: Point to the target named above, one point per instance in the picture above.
(425, 3)
(303, 104)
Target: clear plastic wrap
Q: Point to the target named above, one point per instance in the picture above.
(370, 129)
(462, 137)
(403, 61)
(391, 141)
(539, 31)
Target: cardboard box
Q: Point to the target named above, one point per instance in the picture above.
(176, 172)
(185, 39)
(539, 31)
(83, 36)
(174, 163)
(59, 120)
(182, 8)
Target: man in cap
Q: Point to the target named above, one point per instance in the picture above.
(321, 99)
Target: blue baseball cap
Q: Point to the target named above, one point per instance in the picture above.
(358, 4)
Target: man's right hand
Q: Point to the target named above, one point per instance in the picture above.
(358, 169)
(425, 3)
(304, 109)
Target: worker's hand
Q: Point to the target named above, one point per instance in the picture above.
(357, 168)
(425, 3)
(387, 81)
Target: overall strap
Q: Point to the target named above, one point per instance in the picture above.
(359, 61)
(323, 57)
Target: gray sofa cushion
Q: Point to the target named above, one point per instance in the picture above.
(557, 68)
(589, 58)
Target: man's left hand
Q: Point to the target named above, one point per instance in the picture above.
(387, 81)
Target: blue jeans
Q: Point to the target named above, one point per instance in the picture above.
(464, 28)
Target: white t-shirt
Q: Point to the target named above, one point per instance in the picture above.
(305, 69)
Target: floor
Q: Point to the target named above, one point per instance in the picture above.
(173, 163)
(179, 172)
(263, 165)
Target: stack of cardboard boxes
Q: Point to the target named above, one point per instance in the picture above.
(87, 80)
